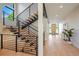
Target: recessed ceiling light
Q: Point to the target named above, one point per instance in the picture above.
(61, 6)
(56, 15)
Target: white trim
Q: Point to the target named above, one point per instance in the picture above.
(40, 29)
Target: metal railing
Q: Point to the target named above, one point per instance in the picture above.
(28, 44)
(25, 9)
(44, 11)
(28, 28)
(23, 16)
(27, 12)
(26, 40)
(8, 41)
(15, 43)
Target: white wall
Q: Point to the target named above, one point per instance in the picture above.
(73, 22)
(21, 7)
(40, 29)
(46, 27)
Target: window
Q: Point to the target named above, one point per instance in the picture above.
(8, 13)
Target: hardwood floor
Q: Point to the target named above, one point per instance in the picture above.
(9, 43)
(55, 46)
(6, 52)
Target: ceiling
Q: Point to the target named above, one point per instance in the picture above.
(59, 10)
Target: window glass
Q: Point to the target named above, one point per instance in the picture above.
(8, 13)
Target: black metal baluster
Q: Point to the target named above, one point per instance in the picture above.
(18, 24)
(16, 42)
(3, 18)
(28, 30)
(1, 41)
(36, 46)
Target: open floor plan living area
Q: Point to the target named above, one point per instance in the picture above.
(61, 29)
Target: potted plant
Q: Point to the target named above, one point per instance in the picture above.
(68, 33)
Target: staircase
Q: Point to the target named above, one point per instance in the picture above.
(30, 20)
(25, 39)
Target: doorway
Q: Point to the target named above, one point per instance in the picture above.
(56, 28)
